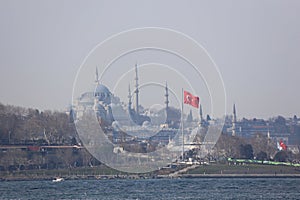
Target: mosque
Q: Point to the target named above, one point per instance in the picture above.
(132, 127)
(103, 103)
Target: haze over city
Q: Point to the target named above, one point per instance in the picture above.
(255, 45)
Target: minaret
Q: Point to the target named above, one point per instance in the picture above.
(167, 103)
(234, 121)
(97, 77)
(136, 91)
(201, 115)
(234, 114)
(167, 97)
(129, 97)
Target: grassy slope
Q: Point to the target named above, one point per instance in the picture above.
(244, 169)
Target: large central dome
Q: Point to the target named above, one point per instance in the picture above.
(103, 94)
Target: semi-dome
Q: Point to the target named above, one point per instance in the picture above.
(103, 94)
(86, 98)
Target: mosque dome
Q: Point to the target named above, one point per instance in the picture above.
(86, 98)
(103, 94)
(146, 124)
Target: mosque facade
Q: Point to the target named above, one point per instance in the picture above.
(98, 101)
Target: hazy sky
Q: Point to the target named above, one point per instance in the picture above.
(255, 44)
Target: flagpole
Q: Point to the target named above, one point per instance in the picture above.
(182, 124)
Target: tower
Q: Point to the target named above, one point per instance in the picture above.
(167, 103)
(201, 115)
(234, 114)
(190, 117)
(167, 97)
(129, 97)
(136, 91)
(97, 77)
(234, 121)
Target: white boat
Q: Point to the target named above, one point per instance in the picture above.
(57, 179)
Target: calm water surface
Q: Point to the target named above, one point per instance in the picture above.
(202, 188)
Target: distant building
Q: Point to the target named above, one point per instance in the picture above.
(276, 129)
(98, 101)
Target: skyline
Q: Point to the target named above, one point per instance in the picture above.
(255, 45)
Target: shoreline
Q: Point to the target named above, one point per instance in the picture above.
(139, 177)
(190, 171)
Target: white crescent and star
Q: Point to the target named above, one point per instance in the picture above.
(188, 98)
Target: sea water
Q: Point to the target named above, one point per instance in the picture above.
(198, 188)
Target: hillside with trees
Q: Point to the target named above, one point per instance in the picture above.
(30, 126)
(29, 137)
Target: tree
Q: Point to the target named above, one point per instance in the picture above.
(280, 125)
(281, 156)
(295, 118)
(262, 156)
(262, 143)
(228, 146)
(280, 120)
(246, 151)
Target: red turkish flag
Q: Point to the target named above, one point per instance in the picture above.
(188, 98)
(282, 145)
